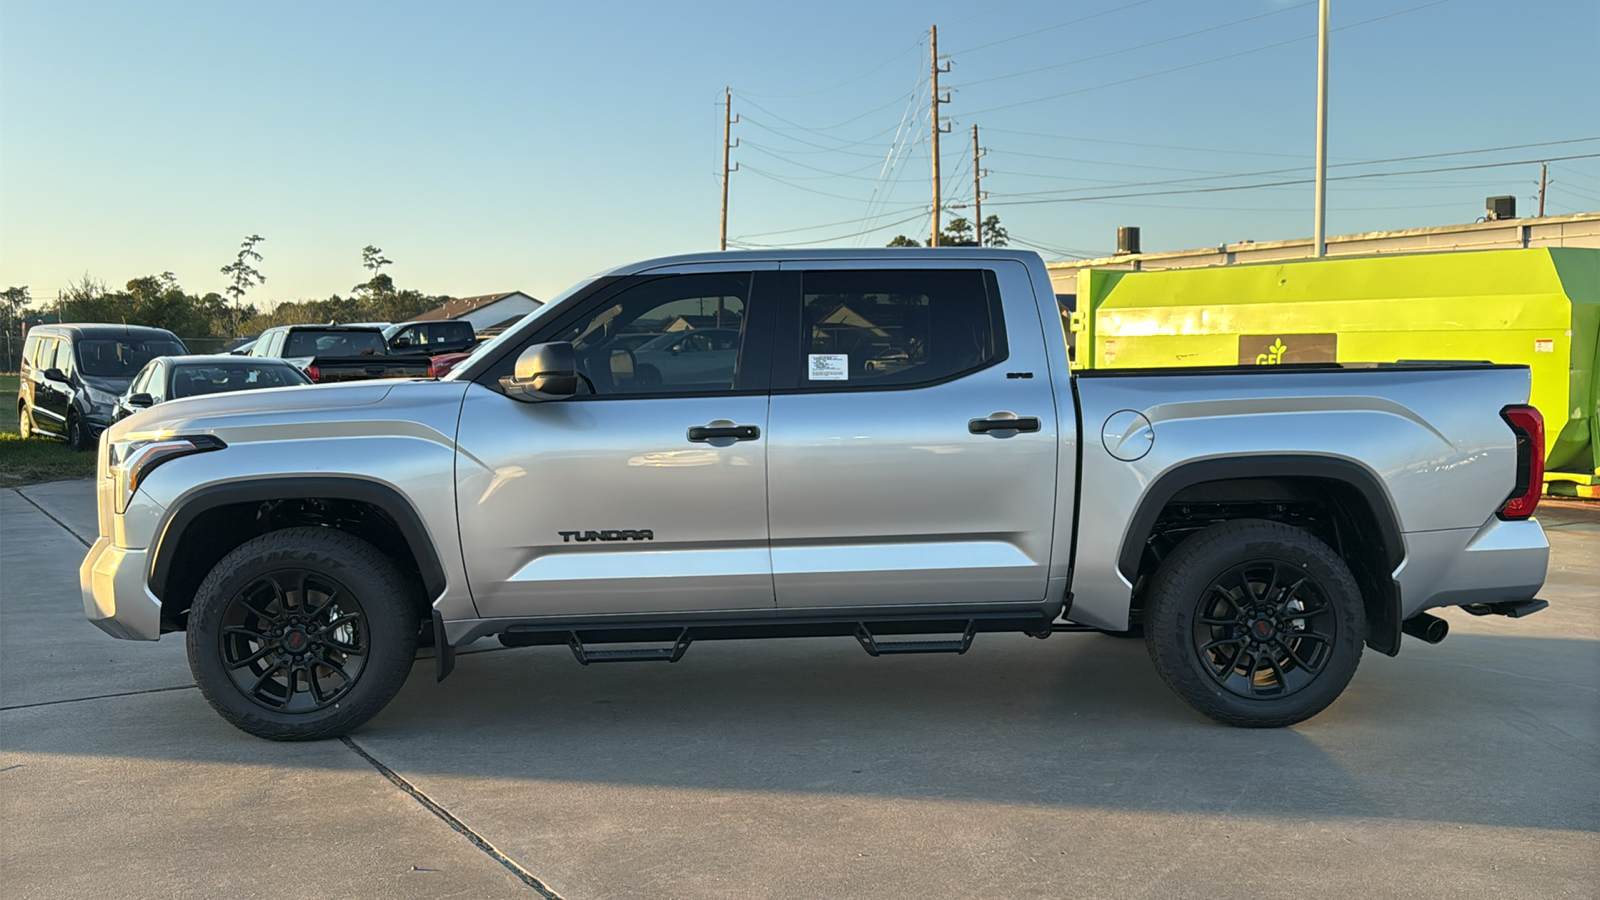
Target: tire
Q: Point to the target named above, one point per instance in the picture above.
(1254, 623)
(302, 634)
(77, 434)
(24, 421)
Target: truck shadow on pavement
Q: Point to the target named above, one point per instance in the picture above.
(1078, 720)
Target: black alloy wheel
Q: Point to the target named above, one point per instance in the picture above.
(1256, 629)
(294, 640)
(303, 633)
(1255, 623)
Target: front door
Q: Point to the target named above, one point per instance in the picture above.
(895, 478)
(643, 496)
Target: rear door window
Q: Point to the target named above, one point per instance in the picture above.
(896, 328)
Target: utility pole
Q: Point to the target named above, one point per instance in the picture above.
(1321, 228)
(728, 118)
(933, 42)
(1543, 183)
(977, 188)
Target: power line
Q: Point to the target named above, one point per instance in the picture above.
(1165, 40)
(764, 127)
(1368, 162)
(1247, 187)
(830, 240)
(1018, 37)
(918, 206)
(817, 129)
(799, 187)
(1065, 137)
(826, 173)
(1205, 62)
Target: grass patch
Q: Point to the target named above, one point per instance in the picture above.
(35, 459)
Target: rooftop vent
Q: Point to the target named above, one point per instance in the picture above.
(1499, 208)
(1127, 240)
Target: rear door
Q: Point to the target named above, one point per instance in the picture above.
(896, 476)
(634, 496)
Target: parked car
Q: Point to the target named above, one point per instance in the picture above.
(431, 338)
(440, 366)
(176, 377)
(72, 375)
(696, 356)
(240, 346)
(1265, 524)
(331, 353)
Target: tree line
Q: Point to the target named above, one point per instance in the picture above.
(958, 232)
(207, 322)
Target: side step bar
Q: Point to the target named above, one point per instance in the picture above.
(670, 654)
(875, 647)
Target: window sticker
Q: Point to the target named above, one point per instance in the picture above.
(829, 366)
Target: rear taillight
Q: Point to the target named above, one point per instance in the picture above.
(314, 373)
(1528, 425)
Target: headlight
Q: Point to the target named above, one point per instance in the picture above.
(129, 462)
(99, 397)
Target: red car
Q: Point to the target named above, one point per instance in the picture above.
(440, 366)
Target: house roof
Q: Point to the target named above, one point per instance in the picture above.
(455, 309)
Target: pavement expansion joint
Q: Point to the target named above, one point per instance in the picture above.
(460, 827)
(51, 516)
(159, 690)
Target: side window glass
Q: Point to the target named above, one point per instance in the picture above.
(648, 339)
(44, 354)
(156, 384)
(896, 327)
(29, 348)
(64, 357)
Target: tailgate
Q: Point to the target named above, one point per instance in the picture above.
(362, 368)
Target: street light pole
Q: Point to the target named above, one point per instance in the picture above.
(1321, 227)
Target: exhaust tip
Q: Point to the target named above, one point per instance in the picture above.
(1426, 627)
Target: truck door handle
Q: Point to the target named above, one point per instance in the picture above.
(702, 433)
(1003, 422)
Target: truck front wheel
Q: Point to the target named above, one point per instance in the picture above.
(301, 634)
(1255, 623)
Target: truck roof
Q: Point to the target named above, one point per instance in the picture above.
(876, 254)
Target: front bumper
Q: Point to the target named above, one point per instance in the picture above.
(115, 596)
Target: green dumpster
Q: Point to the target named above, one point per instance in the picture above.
(1538, 307)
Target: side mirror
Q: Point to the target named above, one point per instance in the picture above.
(143, 401)
(400, 343)
(543, 372)
(54, 374)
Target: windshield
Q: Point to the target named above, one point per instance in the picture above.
(334, 343)
(122, 358)
(494, 342)
(220, 378)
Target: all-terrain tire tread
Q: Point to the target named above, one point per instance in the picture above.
(385, 672)
(1195, 561)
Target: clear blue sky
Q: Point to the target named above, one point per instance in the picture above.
(497, 146)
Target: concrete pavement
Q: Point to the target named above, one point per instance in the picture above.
(770, 769)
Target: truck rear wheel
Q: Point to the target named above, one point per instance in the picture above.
(301, 634)
(1254, 623)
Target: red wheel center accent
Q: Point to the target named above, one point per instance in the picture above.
(296, 641)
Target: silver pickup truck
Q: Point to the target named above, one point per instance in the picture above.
(891, 447)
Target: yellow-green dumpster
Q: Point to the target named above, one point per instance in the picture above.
(1538, 307)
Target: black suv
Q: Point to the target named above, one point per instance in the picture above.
(72, 375)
